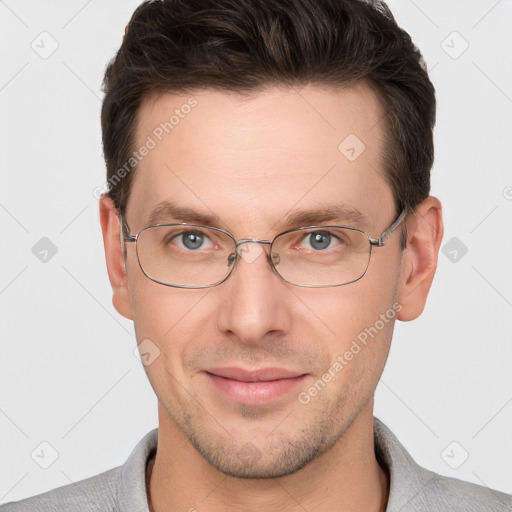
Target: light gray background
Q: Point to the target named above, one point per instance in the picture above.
(68, 373)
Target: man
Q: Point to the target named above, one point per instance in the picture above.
(268, 165)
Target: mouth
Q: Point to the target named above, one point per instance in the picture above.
(254, 387)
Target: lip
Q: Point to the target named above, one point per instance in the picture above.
(261, 375)
(254, 387)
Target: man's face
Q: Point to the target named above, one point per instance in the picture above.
(250, 163)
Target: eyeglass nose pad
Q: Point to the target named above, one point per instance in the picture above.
(232, 258)
(276, 259)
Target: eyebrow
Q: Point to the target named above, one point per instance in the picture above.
(169, 211)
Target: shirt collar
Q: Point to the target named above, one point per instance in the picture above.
(407, 478)
(132, 495)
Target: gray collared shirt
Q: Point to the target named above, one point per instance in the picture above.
(412, 488)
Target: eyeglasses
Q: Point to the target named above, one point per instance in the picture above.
(195, 256)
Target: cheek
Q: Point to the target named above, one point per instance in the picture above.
(353, 325)
(357, 353)
(341, 313)
(170, 318)
(157, 309)
(168, 324)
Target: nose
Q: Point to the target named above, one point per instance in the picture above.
(254, 299)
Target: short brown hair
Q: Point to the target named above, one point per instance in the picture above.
(245, 45)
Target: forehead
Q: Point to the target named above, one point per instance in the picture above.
(258, 156)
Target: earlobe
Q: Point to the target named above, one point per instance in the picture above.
(111, 230)
(425, 233)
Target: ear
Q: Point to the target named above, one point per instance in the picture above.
(424, 235)
(111, 229)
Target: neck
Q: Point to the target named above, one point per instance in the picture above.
(346, 478)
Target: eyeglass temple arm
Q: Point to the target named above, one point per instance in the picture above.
(379, 242)
(124, 233)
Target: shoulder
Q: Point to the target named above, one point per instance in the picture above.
(454, 495)
(122, 488)
(417, 489)
(92, 494)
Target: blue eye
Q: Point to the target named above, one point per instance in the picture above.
(320, 239)
(192, 240)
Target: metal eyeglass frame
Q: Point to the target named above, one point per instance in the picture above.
(377, 242)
